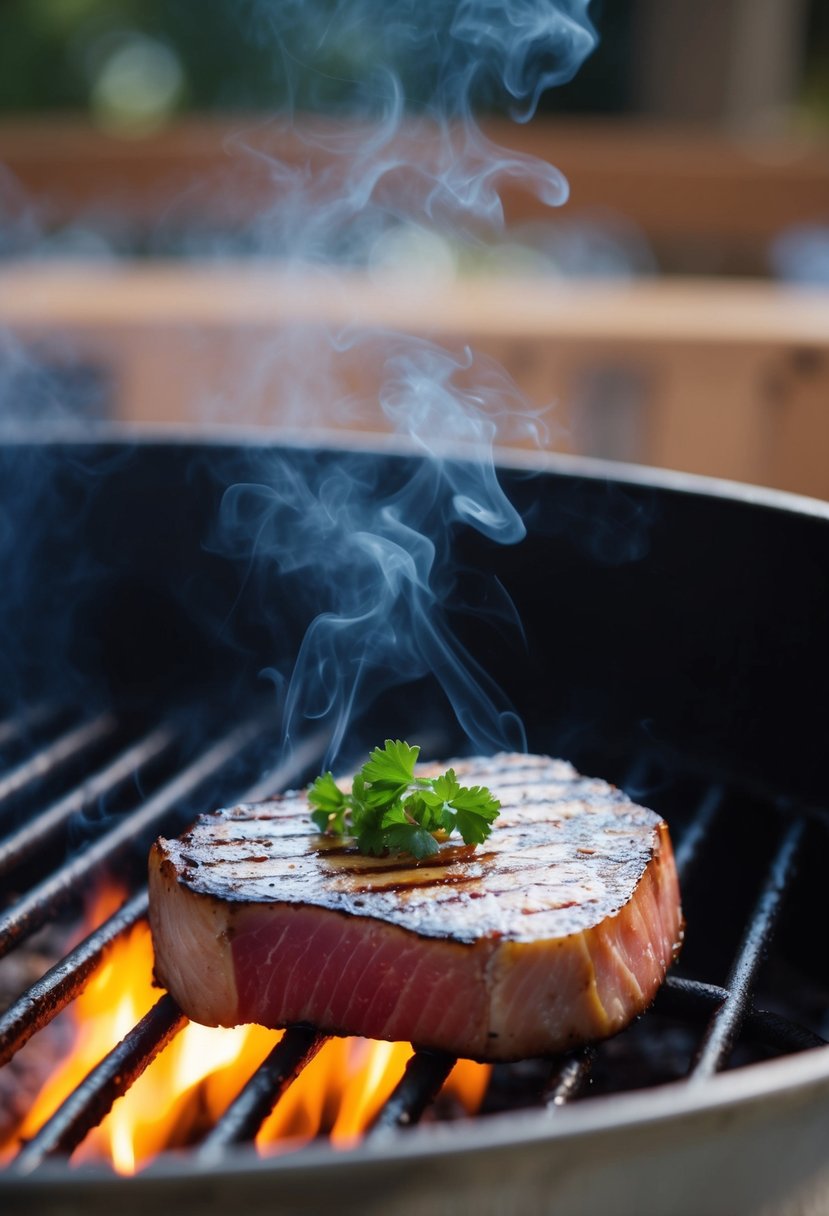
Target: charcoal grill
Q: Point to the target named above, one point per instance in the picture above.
(675, 642)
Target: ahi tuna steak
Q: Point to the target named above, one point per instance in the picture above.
(557, 931)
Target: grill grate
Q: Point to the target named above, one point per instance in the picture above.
(93, 1098)
(46, 897)
(62, 983)
(248, 1111)
(425, 1073)
(39, 831)
(713, 1020)
(725, 1023)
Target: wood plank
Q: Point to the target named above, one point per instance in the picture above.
(668, 179)
(725, 378)
(65, 295)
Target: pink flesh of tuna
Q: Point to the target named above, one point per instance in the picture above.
(557, 931)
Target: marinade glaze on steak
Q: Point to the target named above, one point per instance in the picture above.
(558, 930)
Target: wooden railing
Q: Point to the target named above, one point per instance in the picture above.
(719, 377)
(706, 201)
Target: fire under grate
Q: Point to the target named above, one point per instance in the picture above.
(738, 994)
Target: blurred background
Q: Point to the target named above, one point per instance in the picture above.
(673, 311)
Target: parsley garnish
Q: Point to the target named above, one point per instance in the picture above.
(389, 810)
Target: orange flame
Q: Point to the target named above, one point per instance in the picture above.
(190, 1084)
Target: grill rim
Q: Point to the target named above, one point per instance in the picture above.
(219, 436)
(740, 1090)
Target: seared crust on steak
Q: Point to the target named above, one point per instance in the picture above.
(558, 930)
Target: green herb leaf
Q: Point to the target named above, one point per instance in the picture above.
(446, 787)
(330, 805)
(409, 838)
(371, 839)
(325, 794)
(476, 809)
(391, 765)
(391, 810)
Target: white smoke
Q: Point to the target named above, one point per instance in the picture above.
(374, 563)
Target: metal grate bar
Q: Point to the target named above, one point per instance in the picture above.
(62, 983)
(695, 835)
(249, 1110)
(34, 834)
(93, 1098)
(35, 908)
(692, 998)
(689, 996)
(420, 1084)
(12, 729)
(778, 1032)
(725, 1025)
(567, 1079)
(51, 757)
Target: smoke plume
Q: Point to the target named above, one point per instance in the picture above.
(404, 154)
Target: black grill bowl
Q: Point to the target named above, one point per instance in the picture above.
(674, 640)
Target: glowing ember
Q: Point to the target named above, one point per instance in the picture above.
(189, 1084)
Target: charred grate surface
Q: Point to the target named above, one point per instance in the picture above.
(420, 1084)
(62, 983)
(52, 893)
(724, 1005)
(93, 1098)
(246, 1114)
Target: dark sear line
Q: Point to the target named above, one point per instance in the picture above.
(349, 868)
(266, 842)
(451, 890)
(440, 884)
(345, 862)
(521, 834)
(482, 868)
(583, 789)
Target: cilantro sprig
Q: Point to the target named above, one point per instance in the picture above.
(389, 810)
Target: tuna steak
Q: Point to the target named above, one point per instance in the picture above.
(557, 931)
